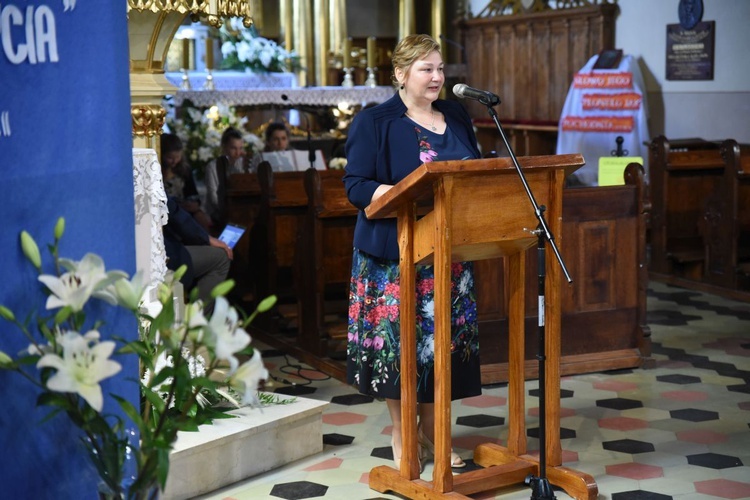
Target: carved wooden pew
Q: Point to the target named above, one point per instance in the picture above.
(603, 316)
(684, 175)
(242, 205)
(325, 259)
(726, 223)
(273, 239)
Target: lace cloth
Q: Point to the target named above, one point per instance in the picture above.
(150, 215)
(310, 96)
(235, 80)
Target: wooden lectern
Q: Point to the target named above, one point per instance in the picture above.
(478, 209)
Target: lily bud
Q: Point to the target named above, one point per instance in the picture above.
(267, 303)
(31, 250)
(7, 313)
(59, 228)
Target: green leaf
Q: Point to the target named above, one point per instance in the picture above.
(31, 250)
(131, 412)
(155, 399)
(63, 314)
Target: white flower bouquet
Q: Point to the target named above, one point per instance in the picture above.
(200, 132)
(243, 48)
(184, 364)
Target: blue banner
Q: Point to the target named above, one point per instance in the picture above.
(65, 150)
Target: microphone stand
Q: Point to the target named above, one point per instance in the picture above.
(540, 485)
(310, 150)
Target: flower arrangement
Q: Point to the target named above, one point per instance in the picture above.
(182, 362)
(243, 48)
(200, 132)
(337, 163)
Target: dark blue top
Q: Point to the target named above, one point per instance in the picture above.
(383, 148)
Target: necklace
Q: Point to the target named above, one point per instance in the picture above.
(432, 115)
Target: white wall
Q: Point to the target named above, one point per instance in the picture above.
(714, 109)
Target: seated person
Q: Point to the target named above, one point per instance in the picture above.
(207, 258)
(276, 139)
(218, 171)
(178, 179)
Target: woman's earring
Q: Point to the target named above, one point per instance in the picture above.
(402, 86)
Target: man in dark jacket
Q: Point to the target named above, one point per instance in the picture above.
(187, 242)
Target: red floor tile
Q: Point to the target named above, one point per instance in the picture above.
(635, 471)
(701, 436)
(484, 401)
(331, 463)
(343, 418)
(685, 395)
(623, 423)
(614, 385)
(723, 488)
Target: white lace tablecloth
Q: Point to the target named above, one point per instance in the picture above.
(235, 80)
(150, 215)
(310, 96)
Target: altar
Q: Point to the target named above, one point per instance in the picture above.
(286, 97)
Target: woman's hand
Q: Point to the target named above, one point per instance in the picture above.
(380, 191)
(220, 244)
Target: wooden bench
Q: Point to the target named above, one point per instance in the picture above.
(603, 312)
(273, 239)
(325, 260)
(242, 206)
(726, 222)
(684, 175)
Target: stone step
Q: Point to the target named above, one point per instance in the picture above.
(234, 449)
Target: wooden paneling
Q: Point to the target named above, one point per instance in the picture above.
(529, 60)
(603, 310)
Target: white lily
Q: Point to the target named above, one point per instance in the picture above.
(75, 287)
(81, 367)
(247, 377)
(226, 335)
(129, 293)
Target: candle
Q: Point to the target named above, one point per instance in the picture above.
(347, 53)
(372, 52)
(185, 53)
(209, 53)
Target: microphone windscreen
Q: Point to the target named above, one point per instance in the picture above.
(458, 89)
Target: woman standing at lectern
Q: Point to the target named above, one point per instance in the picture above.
(385, 144)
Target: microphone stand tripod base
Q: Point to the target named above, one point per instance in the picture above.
(185, 85)
(348, 81)
(540, 488)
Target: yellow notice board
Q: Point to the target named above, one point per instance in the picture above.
(612, 168)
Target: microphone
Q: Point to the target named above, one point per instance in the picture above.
(464, 91)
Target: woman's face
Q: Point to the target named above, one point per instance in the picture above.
(171, 160)
(278, 141)
(233, 149)
(425, 77)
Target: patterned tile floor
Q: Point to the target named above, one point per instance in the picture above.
(677, 431)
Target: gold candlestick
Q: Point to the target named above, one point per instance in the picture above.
(209, 54)
(347, 53)
(185, 54)
(372, 52)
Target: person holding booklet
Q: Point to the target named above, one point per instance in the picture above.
(276, 139)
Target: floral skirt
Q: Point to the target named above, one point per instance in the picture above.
(373, 349)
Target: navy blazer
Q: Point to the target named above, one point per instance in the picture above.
(382, 148)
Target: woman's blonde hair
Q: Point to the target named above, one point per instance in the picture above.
(411, 48)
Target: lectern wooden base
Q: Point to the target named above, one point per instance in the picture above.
(501, 469)
(479, 211)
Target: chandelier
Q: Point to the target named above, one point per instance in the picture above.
(214, 11)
